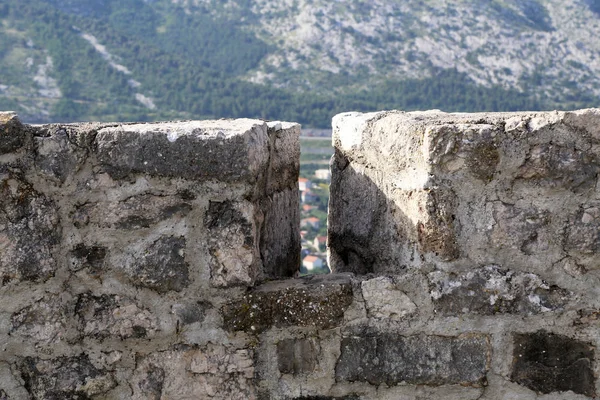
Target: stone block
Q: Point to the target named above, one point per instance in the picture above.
(214, 371)
(284, 161)
(493, 290)
(159, 265)
(12, 133)
(232, 243)
(224, 150)
(138, 211)
(111, 315)
(546, 363)
(410, 188)
(29, 230)
(64, 378)
(392, 359)
(385, 301)
(45, 321)
(296, 356)
(318, 301)
(280, 245)
(88, 257)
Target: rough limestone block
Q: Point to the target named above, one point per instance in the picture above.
(384, 300)
(30, 230)
(12, 133)
(511, 189)
(319, 301)
(64, 377)
(230, 151)
(546, 362)
(213, 371)
(492, 290)
(296, 356)
(423, 360)
(110, 315)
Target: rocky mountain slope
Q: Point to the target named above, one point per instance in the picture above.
(301, 60)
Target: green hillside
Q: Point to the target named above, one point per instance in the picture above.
(162, 61)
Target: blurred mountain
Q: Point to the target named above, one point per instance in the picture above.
(302, 60)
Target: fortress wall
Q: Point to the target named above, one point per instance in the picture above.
(120, 242)
(155, 261)
(490, 225)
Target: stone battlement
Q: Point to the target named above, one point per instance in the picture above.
(156, 261)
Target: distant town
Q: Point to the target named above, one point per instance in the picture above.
(313, 185)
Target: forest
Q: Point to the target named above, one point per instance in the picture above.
(193, 67)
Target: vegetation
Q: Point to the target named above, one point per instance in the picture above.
(192, 66)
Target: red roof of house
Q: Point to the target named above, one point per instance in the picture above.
(311, 258)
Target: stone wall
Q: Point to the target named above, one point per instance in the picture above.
(120, 242)
(155, 261)
(486, 227)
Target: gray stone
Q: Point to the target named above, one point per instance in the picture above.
(422, 360)
(56, 156)
(232, 239)
(556, 165)
(296, 356)
(384, 300)
(160, 266)
(90, 257)
(319, 301)
(280, 236)
(152, 384)
(12, 133)
(64, 378)
(213, 371)
(44, 321)
(29, 231)
(546, 363)
(229, 151)
(493, 188)
(135, 212)
(189, 313)
(493, 290)
(111, 315)
(284, 161)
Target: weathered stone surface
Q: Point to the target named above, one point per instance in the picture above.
(64, 378)
(160, 266)
(230, 151)
(44, 321)
(351, 397)
(135, 212)
(318, 301)
(296, 356)
(189, 313)
(558, 165)
(423, 360)
(56, 156)
(111, 315)
(214, 371)
(90, 257)
(526, 229)
(495, 188)
(29, 231)
(12, 132)
(232, 243)
(284, 161)
(280, 236)
(384, 300)
(493, 290)
(437, 234)
(546, 362)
